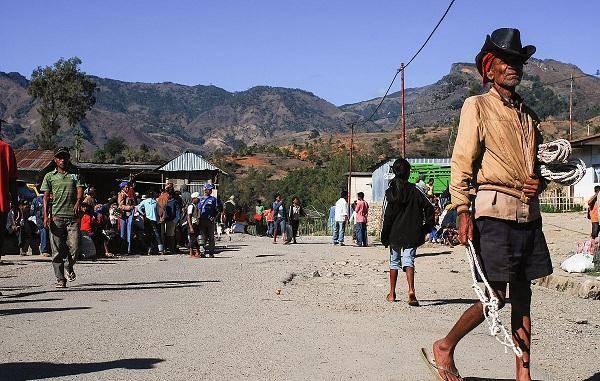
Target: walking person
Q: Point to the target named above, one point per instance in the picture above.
(407, 219)
(209, 208)
(229, 209)
(593, 211)
(296, 211)
(65, 187)
(340, 219)
(495, 158)
(8, 186)
(148, 208)
(126, 205)
(37, 210)
(362, 213)
(280, 217)
(193, 217)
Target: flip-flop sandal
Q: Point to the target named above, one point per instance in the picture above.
(434, 369)
(414, 303)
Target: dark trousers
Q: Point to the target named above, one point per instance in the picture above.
(295, 224)
(64, 240)
(361, 233)
(152, 229)
(206, 229)
(3, 217)
(44, 239)
(594, 230)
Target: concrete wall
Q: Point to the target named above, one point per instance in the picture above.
(591, 156)
(361, 184)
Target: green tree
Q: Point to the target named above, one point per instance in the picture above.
(65, 94)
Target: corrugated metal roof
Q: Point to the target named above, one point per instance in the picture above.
(187, 162)
(111, 166)
(33, 159)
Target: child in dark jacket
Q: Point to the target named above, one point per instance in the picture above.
(408, 217)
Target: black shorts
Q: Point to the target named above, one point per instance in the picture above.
(509, 251)
(594, 230)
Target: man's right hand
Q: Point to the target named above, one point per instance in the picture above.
(46, 222)
(465, 228)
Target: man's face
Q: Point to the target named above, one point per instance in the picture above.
(506, 71)
(62, 161)
(207, 192)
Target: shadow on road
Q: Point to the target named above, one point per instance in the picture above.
(434, 254)
(20, 371)
(4, 301)
(21, 311)
(102, 287)
(595, 377)
(441, 302)
(268, 255)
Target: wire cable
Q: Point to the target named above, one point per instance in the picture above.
(370, 118)
(430, 34)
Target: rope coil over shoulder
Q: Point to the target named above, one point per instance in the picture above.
(556, 165)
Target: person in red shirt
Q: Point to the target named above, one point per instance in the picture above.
(362, 213)
(8, 185)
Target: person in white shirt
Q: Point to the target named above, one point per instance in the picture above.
(193, 215)
(341, 217)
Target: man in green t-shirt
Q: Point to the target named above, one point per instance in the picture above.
(65, 187)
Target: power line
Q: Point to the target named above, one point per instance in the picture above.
(370, 118)
(430, 34)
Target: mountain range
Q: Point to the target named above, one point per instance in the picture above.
(170, 118)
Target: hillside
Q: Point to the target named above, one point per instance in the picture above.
(169, 117)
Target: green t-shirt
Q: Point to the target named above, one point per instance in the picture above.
(63, 187)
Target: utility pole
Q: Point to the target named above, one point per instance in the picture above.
(571, 110)
(403, 134)
(350, 164)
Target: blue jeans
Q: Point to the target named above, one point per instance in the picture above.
(401, 258)
(44, 242)
(125, 230)
(338, 232)
(279, 227)
(361, 233)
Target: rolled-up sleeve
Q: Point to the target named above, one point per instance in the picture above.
(467, 150)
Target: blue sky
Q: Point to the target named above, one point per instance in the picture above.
(343, 51)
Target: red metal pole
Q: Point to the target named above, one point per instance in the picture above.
(350, 169)
(403, 134)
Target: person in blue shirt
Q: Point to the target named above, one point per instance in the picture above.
(149, 209)
(37, 210)
(209, 208)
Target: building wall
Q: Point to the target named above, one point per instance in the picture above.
(380, 181)
(361, 184)
(591, 156)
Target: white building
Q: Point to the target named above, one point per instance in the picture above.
(588, 150)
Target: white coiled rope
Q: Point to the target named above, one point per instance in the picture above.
(556, 164)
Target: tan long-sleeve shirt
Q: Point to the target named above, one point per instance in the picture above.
(495, 152)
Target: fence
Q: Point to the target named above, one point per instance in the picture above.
(556, 202)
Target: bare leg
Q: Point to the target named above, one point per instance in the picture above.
(520, 296)
(391, 296)
(443, 349)
(410, 279)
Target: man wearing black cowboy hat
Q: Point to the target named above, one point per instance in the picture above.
(496, 150)
(62, 221)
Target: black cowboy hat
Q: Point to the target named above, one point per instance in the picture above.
(505, 41)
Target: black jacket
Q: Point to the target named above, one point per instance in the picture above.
(408, 216)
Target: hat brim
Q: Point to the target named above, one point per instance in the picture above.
(490, 47)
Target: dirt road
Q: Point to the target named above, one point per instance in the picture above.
(174, 318)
